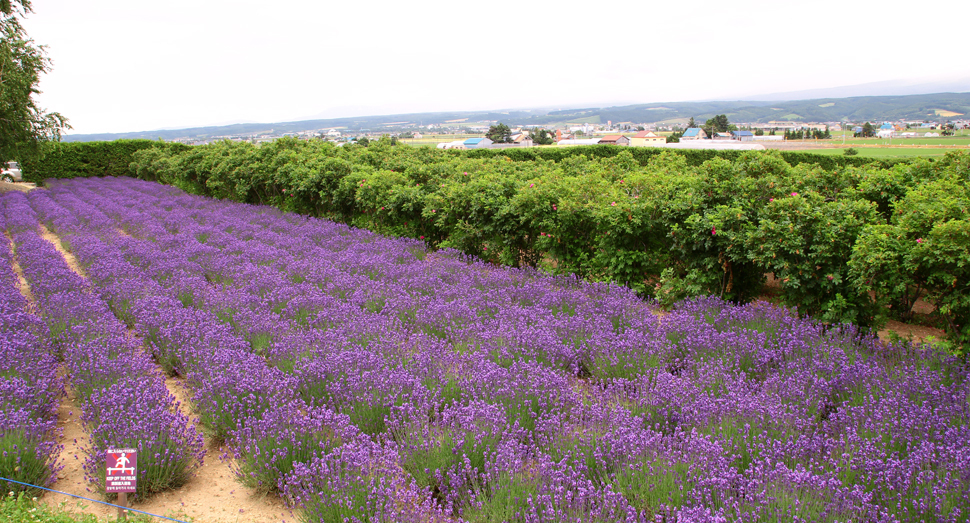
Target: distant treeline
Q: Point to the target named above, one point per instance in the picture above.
(848, 238)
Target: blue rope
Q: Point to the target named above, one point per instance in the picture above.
(94, 500)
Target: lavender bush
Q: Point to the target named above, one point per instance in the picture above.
(366, 378)
(123, 399)
(30, 389)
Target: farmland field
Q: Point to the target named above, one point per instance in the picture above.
(353, 375)
(883, 152)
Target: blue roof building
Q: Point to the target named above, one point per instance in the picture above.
(478, 143)
(694, 133)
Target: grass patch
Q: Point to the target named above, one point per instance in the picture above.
(21, 508)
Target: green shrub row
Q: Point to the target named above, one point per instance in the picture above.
(848, 239)
(694, 157)
(86, 159)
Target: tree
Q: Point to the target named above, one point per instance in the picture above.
(718, 124)
(499, 133)
(23, 124)
(674, 137)
(691, 123)
(541, 137)
(868, 131)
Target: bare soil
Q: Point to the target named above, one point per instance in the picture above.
(69, 258)
(17, 186)
(22, 282)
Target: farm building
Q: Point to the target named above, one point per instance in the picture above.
(886, 130)
(614, 139)
(694, 133)
(522, 140)
(723, 136)
(742, 136)
(478, 143)
(452, 145)
(647, 139)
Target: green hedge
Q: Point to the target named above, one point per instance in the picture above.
(850, 239)
(86, 159)
(694, 157)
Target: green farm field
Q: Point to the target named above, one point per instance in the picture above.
(435, 139)
(886, 152)
(961, 137)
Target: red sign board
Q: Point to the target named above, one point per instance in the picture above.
(122, 470)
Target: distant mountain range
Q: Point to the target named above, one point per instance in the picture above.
(885, 88)
(930, 107)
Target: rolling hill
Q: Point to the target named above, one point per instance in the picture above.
(930, 107)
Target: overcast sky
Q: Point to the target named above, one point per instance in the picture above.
(132, 65)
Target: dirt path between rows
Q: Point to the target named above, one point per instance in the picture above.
(69, 258)
(72, 437)
(212, 495)
(22, 281)
(17, 186)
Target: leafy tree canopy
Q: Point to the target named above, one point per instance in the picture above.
(499, 133)
(23, 124)
(9, 7)
(541, 137)
(718, 124)
(868, 130)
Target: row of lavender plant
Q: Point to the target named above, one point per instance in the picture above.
(238, 395)
(511, 396)
(123, 400)
(517, 404)
(30, 389)
(747, 362)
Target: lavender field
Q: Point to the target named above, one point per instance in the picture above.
(365, 378)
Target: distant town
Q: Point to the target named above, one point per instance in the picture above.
(480, 135)
(775, 124)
